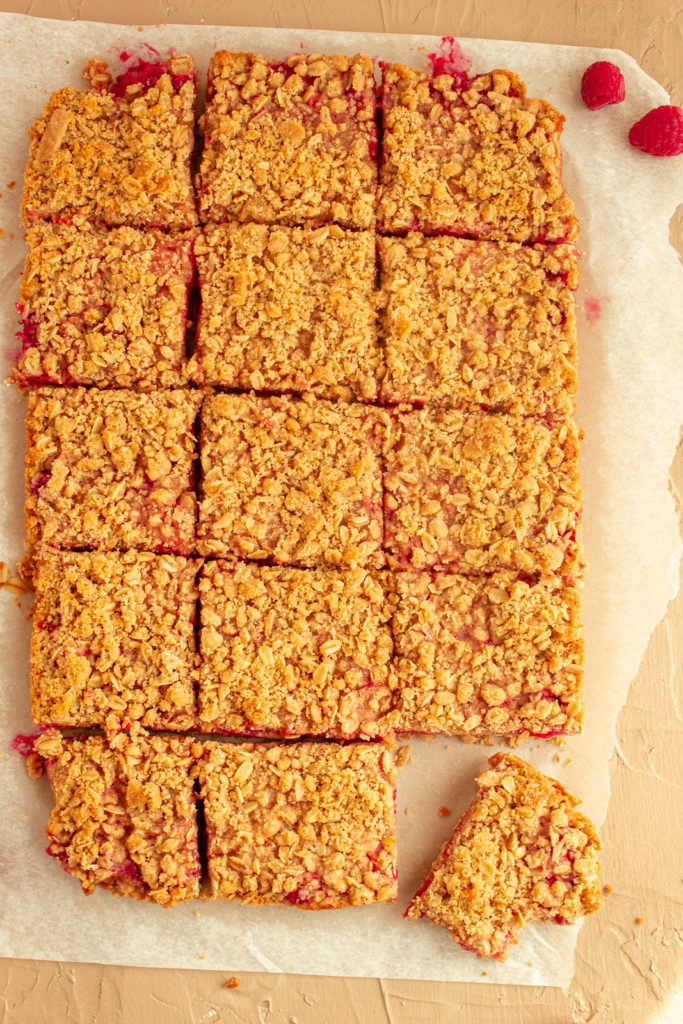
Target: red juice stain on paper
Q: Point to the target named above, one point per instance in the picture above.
(593, 310)
(451, 60)
(23, 743)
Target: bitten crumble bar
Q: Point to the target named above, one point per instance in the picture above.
(113, 640)
(293, 651)
(479, 322)
(473, 493)
(291, 142)
(119, 152)
(288, 309)
(310, 824)
(111, 469)
(298, 482)
(124, 816)
(104, 307)
(482, 657)
(520, 853)
(480, 159)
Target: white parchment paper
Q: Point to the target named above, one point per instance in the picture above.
(631, 406)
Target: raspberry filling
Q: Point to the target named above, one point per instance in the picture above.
(147, 75)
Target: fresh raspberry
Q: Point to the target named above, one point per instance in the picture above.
(602, 83)
(660, 132)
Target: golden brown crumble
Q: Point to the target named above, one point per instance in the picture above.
(482, 161)
(113, 639)
(472, 492)
(479, 322)
(115, 160)
(124, 816)
(520, 853)
(288, 309)
(291, 142)
(104, 307)
(111, 469)
(486, 657)
(293, 481)
(291, 652)
(310, 824)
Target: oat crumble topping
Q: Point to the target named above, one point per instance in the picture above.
(520, 853)
(111, 469)
(482, 161)
(124, 816)
(483, 657)
(310, 824)
(290, 652)
(104, 307)
(480, 322)
(115, 158)
(113, 640)
(298, 482)
(290, 142)
(288, 309)
(471, 492)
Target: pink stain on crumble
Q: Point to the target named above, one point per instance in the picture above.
(593, 310)
(451, 60)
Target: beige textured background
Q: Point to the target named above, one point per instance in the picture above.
(626, 972)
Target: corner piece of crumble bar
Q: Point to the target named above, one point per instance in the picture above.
(520, 853)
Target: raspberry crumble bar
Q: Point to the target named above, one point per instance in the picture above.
(479, 322)
(471, 492)
(118, 152)
(520, 853)
(288, 309)
(111, 469)
(482, 657)
(309, 824)
(292, 652)
(104, 307)
(113, 640)
(290, 142)
(124, 816)
(293, 481)
(478, 158)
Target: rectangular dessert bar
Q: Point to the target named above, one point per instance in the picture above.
(309, 824)
(475, 158)
(113, 640)
(289, 652)
(520, 853)
(290, 142)
(111, 469)
(124, 817)
(288, 309)
(489, 323)
(118, 152)
(293, 481)
(471, 492)
(104, 307)
(486, 656)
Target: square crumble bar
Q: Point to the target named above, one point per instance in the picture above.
(486, 657)
(113, 640)
(478, 158)
(479, 322)
(124, 816)
(289, 652)
(111, 469)
(118, 152)
(309, 824)
(104, 307)
(293, 481)
(471, 492)
(288, 309)
(291, 142)
(520, 853)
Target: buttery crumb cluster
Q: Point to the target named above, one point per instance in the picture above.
(301, 460)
